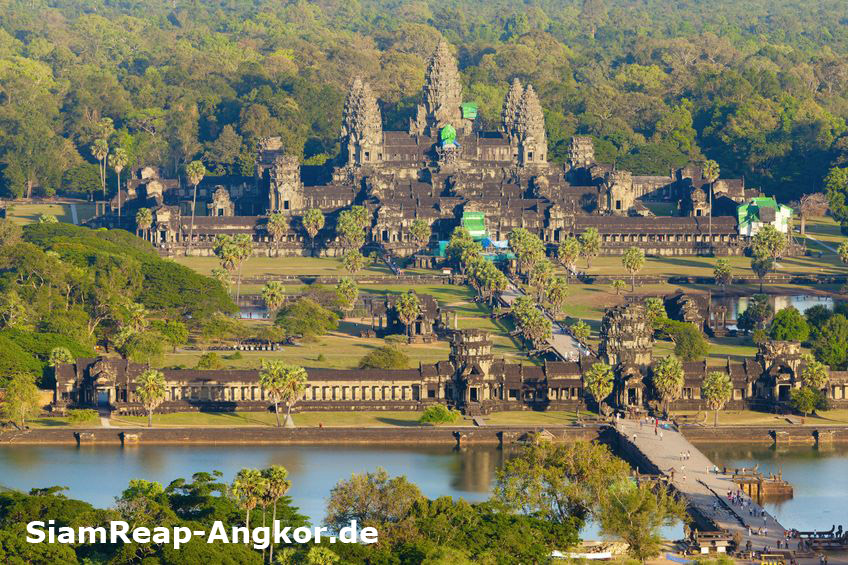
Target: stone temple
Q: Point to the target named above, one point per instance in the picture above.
(442, 168)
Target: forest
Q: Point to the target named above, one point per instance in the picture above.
(757, 85)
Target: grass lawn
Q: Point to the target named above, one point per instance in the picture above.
(337, 350)
(307, 419)
(526, 418)
(350, 419)
(24, 213)
(829, 263)
(752, 418)
(825, 229)
(264, 266)
(61, 422)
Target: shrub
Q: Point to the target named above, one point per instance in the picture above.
(233, 356)
(306, 318)
(82, 416)
(386, 357)
(209, 361)
(439, 414)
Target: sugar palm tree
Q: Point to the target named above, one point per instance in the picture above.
(100, 150)
(144, 221)
(119, 161)
(273, 294)
(247, 488)
(195, 171)
(277, 485)
(313, 221)
(243, 249)
(277, 225)
(151, 390)
(408, 309)
(711, 173)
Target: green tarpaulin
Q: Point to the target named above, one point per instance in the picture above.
(469, 110)
(475, 223)
(448, 135)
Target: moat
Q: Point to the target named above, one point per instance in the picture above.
(98, 473)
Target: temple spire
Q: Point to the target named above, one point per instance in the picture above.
(530, 120)
(361, 118)
(442, 93)
(530, 129)
(362, 124)
(510, 106)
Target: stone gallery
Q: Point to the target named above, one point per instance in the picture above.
(471, 379)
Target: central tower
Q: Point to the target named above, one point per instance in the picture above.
(442, 95)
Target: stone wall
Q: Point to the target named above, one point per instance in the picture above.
(447, 435)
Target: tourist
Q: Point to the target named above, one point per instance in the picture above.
(661, 436)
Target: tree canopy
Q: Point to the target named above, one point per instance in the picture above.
(757, 86)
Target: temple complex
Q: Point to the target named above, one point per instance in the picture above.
(445, 166)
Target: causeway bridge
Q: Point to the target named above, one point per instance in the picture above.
(705, 491)
(561, 342)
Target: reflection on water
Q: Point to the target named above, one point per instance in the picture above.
(99, 473)
(253, 313)
(818, 476)
(803, 302)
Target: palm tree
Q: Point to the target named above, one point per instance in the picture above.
(144, 220)
(408, 309)
(100, 150)
(277, 484)
(711, 173)
(243, 249)
(273, 294)
(195, 172)
(277, 225)
(119, 160)
(247, 487)
(283, 383)
(313, 221)
(151, 390)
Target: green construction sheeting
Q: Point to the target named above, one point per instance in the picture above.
(750, 212)
(448, 135)
(475, 223)
(469, 110)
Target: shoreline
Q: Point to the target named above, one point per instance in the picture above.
(457, 436)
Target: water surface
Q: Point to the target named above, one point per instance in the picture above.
(97, 474)
(819, 477)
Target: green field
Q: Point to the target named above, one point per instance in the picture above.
(61, 422)
(337, 350)
(752, 418)
(267, 266)
(341, 419)
(25, 213)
